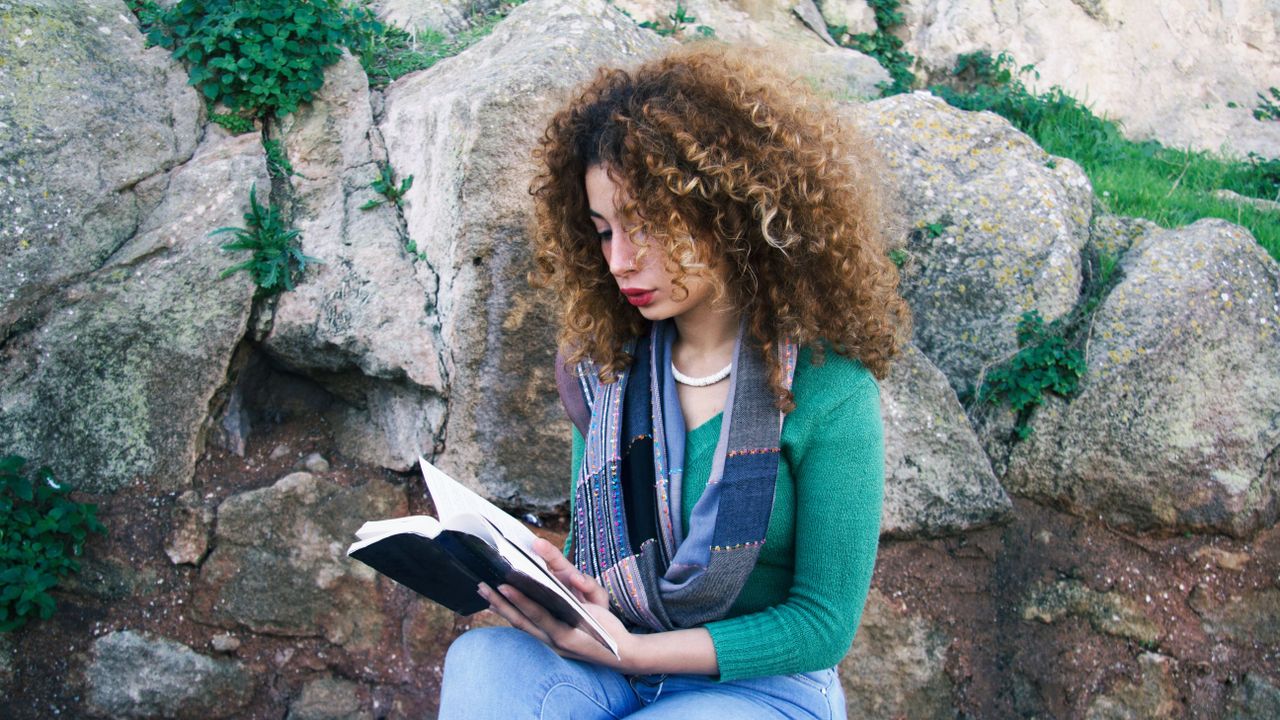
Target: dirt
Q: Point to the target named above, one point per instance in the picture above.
(971, 587)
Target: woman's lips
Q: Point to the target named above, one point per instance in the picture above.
(639, 298)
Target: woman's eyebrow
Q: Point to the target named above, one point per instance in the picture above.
(593, 213)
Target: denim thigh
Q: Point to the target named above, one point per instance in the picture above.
(802, 696)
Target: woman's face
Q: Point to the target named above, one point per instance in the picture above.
(645, 281)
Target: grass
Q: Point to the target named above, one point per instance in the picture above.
(389, 52)
(1169, 186)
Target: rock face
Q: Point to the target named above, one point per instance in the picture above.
(937, 478)
(788, 33)
(86, 114)
(896, 666)
(125, 369)
(999, 227)
(446, 16)
(854, 15)
(1108, 612)
(1167, 70)
(133, 675)
(465, 129)
(363, 323)
(329, 699)
(279, 564)
(1174, 426)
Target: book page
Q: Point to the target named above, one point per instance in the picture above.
(424, 525)
(452, 498)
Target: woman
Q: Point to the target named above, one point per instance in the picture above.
(716, 240)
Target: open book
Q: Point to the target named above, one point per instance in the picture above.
(473, 541)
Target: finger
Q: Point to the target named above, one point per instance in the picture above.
(555, 559)
(499, 604)
(592, 590)
(536, 614)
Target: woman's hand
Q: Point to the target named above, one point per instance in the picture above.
(516, 608)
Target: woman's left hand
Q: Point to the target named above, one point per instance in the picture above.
(521, 612)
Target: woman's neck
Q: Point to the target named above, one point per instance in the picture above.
(705, 338)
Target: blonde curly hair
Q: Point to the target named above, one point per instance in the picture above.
(730, 166)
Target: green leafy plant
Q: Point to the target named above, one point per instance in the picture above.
(233, 123)
(386, 185)
(899, 257)
(276, 259)
(263, 57)
(1268, 107)
(676, 23)
(42, 532)
(278, 165)
(882, 45)
(1044, 363)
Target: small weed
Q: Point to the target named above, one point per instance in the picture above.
(1044, 363)
(232, 123)
(276, 258)
(899, 257)
(936, 228)
(278, 165)
(1268, 107)
(42, 532)
(386, 185)
(677, 23)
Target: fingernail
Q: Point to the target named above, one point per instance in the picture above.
(484, 591)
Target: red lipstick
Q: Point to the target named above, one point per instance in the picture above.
(638, 297)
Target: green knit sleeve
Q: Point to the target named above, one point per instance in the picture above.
(576, 462)
(838, 469)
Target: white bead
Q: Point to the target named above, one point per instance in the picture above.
(702, 381)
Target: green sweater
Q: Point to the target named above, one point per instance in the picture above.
(800, 607)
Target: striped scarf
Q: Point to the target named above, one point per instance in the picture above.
(627, 526)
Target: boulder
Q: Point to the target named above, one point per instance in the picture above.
(896, 667)
(855, 16)
(998, 227)
(937, 479)
(115, 384)
(279, 562)
(788, 33)
(363, 323)
(86, 115)
(1184, 72)
(465, 129)
(134, 675)
(1174, 424)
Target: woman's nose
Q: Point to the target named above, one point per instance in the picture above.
(622, 254)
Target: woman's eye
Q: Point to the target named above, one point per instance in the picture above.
(605, 235)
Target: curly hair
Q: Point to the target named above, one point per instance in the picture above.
(729, 165)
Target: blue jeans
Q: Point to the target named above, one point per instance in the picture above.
(500, 673)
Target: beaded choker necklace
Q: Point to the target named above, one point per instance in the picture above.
(711, 379)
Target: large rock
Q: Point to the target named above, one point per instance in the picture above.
(465, 130)
(1175, 423)
(999, 227)
(445, 16)
(330, 699)
(133, 675)
(896, 667)
(1170, 70)
(86, 114)
(279, 565)
(937, 479)
(785, 33)
(363, 323)
(115, 385)
(1107, 612)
